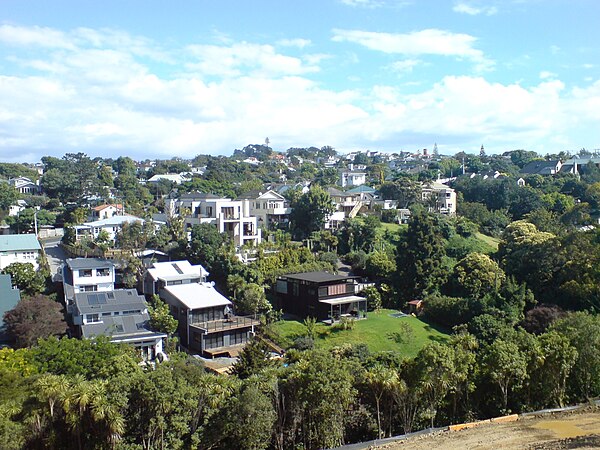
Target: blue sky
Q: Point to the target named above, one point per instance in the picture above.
(159, 79)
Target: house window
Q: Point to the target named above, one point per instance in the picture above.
(92, 318)
(336, 289)
(213, 341)
(85, 273)
(238, 337)
(89, 288)
(102, 272)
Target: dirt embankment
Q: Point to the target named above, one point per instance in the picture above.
(573, 430)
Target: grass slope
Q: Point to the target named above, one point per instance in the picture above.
(489, 240)
(376, 331)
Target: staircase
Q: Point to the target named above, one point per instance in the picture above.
(352, 214)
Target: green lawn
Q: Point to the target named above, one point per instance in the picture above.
(377, 331)
(489, 240)
(392, 227)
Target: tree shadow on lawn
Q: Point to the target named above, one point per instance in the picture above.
(432, 326)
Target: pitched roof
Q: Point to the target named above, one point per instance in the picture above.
(333, 192)
(197, 295)
(121, 328)
(113, 221)
(19, 242)
(101, 207)
(110, 301)
(539, 167)
(363, 188)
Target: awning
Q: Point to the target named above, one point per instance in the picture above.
(343, 300)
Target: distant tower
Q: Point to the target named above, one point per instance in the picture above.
(267, 142)
(435, 150)
(482, 151)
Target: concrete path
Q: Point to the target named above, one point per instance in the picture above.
(56, 256)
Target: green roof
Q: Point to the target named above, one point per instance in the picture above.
(361, 188)
(17, 242)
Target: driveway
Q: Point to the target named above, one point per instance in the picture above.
(56, 256)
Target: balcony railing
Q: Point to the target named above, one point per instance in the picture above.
(226, 324)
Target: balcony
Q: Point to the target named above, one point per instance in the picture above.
(226, 324)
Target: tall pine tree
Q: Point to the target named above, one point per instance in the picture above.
(419, 260)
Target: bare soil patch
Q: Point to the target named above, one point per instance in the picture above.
(570, 430)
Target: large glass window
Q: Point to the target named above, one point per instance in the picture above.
(213, 340)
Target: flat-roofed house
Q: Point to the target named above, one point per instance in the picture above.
(324, 296)
(86, 275)
(229, 216)
(162, 274)
(122, 315)
(206, 321)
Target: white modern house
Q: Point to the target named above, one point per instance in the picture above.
(86, 275)
(270, 208)
(162, 274)
(229, 216)
(19, 248)
(111, 225)
(207, 323)
(122, 315)
(350, 178)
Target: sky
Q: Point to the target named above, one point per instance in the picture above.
(157, 79)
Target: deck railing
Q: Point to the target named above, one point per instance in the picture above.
(227, 324)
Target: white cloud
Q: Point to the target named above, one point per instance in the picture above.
(544, 74)
(425, 42)
(406, 65)
(300, 43)
(237, 58)
(34, 36)
(363, 3)
(473, 10)
(91, 94)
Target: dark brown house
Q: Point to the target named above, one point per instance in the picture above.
(321, 295)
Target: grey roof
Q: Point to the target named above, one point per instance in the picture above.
(88, 263)
(134, 326)
(333, 192)
(539, 167)
(110, 301)
(250, 195)
(159, 217)
(19, 242)
(317, 277)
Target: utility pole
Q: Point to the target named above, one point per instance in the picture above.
(35, 222)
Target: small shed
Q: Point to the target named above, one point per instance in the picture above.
(415, 307)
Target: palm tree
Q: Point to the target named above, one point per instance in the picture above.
(382, 380)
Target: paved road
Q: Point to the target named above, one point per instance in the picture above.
(56, 255)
